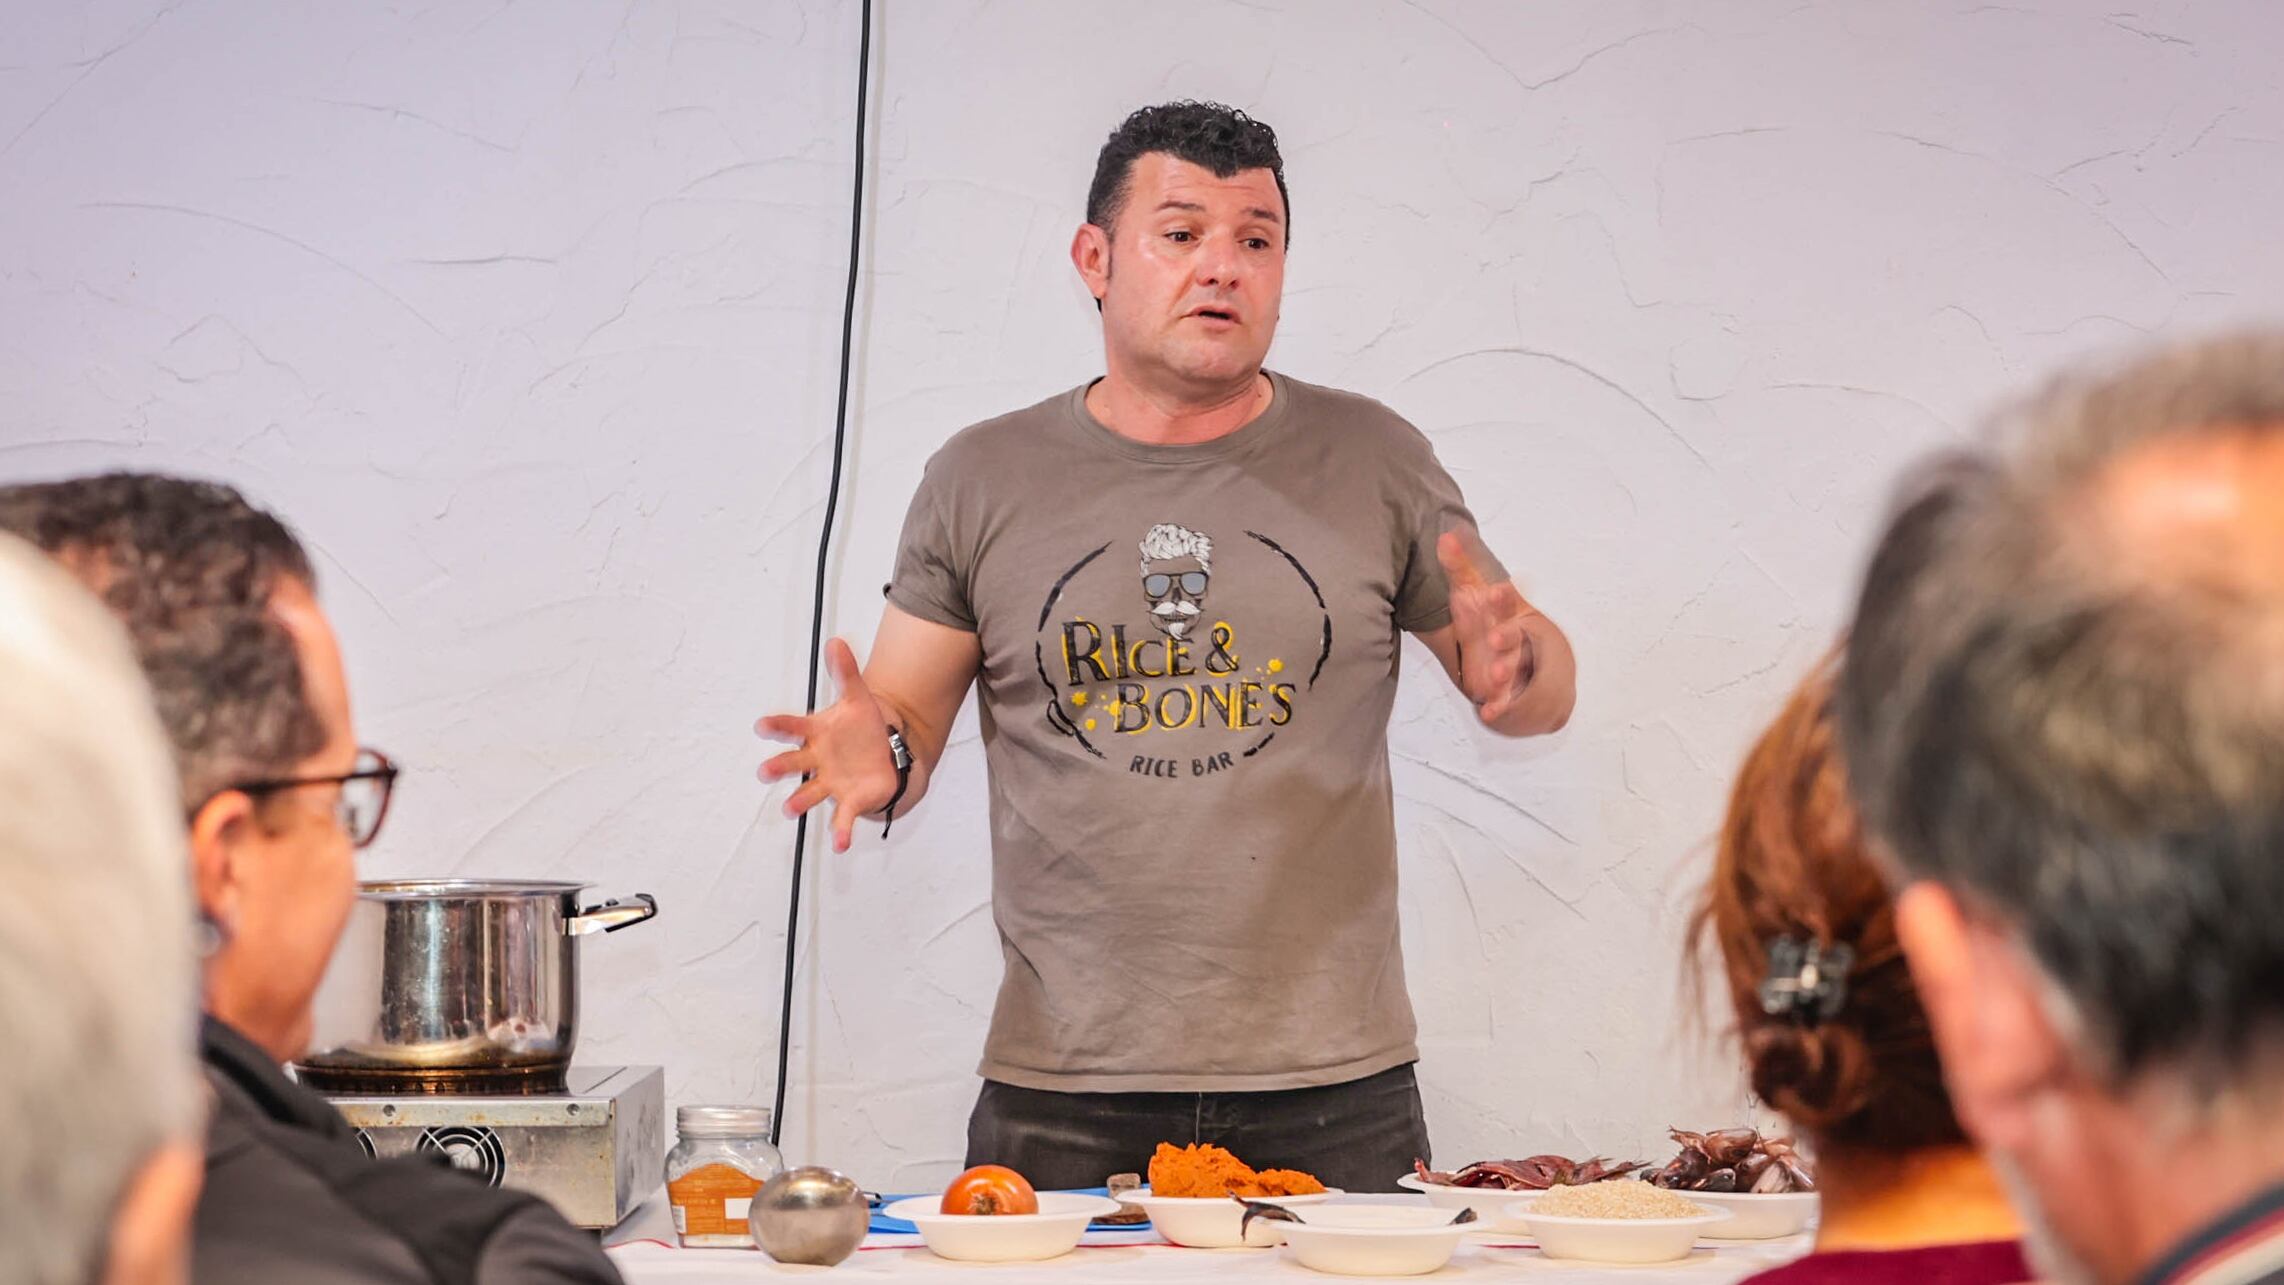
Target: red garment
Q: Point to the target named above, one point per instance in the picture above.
(1997, 1262)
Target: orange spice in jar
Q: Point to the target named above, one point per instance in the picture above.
(721, 1158)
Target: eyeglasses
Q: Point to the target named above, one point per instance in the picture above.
(1157, 583)
(365, 792)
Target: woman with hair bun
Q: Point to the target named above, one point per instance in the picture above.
(1831, 1028)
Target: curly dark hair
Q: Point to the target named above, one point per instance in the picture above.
(1221, 139)
(189, 567)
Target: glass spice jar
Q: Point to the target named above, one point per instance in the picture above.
(720, 1159)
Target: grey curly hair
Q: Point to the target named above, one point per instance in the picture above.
(189, 566)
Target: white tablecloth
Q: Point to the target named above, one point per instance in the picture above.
(643, 1247)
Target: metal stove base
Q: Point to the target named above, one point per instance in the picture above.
(594, 1151)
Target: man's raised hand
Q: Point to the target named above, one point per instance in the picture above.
(842, 749)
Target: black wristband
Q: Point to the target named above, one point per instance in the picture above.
(901, 755)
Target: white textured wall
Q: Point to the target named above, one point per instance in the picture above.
(526, 314)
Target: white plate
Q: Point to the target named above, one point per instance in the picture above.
(1759, 1215)
(1004, 1238)
(1203, 1222)
(1493, 1206)
(1373, 1240)
(1618, 1240)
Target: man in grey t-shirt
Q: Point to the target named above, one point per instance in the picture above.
(1178, 591)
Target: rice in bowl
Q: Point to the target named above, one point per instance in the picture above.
(1620, 1199)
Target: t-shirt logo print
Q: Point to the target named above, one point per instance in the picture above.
(1177, 566)
(1180, 672)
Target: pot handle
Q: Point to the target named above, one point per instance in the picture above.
(612, 915)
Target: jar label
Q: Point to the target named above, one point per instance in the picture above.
(712, 1200)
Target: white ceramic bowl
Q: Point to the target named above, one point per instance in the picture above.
(1373, 1240)
(1493, 1206)
(1211, 1223)
(1004, 1238)
(1619, 1240)
(1763, 1216)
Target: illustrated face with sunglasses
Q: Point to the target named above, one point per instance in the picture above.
(273, 854)
(1176, 590)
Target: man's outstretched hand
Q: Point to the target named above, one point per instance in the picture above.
(842, 749)
(1496, 658)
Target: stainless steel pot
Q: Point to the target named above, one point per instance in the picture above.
(457, 986)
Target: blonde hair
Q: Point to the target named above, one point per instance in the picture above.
(98, 980)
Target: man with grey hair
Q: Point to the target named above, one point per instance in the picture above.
(100, 1102)
(220, 602)
(2063, 708)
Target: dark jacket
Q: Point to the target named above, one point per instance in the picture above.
(291, 1198)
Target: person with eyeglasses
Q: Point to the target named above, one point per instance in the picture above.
(220, 603)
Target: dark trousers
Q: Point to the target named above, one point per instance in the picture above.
(1358, 1136)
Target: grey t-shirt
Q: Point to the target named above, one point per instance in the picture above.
(1189, 656)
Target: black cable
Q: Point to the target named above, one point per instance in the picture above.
(824, 551)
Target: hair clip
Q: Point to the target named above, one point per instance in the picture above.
(1807, 981)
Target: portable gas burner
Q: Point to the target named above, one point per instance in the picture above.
(593, 1150)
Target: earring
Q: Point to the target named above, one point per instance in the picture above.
(209, 937)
